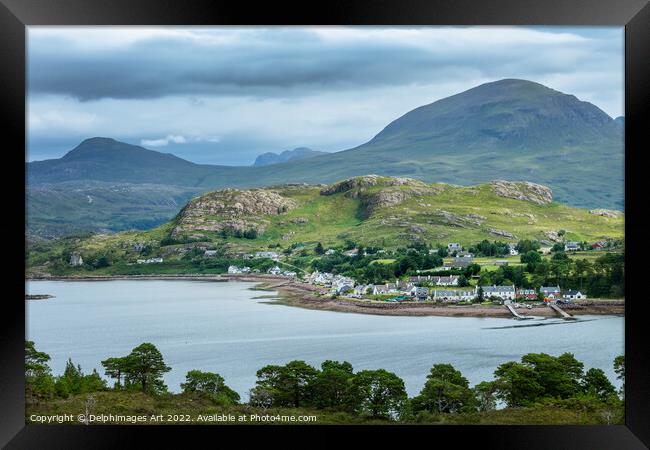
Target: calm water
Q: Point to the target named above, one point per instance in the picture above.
(222, 327)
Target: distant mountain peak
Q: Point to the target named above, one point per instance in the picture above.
(508, 113)
(269, 158)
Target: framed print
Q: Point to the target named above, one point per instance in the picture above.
(395, 217)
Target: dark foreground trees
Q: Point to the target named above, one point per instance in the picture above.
(539, 377)
(537, 381)
(373, 393)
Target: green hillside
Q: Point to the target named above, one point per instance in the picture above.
(371, 210)
(59, 209)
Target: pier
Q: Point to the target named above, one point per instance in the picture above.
(515, 313)
(565, 315)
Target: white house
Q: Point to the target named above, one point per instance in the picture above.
(362, 289)
(573, 295)
(76, 260)
(420, 279)
(274, 270)
(234, 269)
(571, 246)
(210, 253)
(344, 287)
(331, 251)
(550, 291)
(502, 292)
(454, 247)
(451, 280)
(452, 296)
(271, 255)
(389, 288)
(512, 248)
(421, 293)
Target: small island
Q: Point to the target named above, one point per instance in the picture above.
(38, 296)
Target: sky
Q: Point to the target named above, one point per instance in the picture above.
(223, 95)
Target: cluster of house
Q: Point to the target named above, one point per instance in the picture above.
(339, 283)
(235, 270)
(149, 261)
(278, 271)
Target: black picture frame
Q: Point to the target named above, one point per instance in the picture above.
(634, 15)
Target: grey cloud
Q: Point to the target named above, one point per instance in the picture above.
(271, 63)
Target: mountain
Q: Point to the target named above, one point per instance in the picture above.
(269, 158)
(105, 159)
(508, 129)
(370, 210)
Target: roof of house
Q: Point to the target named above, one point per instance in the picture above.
(550, 288)
(498, 288)
(572, 292)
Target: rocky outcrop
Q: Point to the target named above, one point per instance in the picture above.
(369, 180)
(379, 192)
(501, 233)
(232, 209)
(523, 190)
(553, 236)
(606, 213)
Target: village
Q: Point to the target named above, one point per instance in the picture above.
(427, 288)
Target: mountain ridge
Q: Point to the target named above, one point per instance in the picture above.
(268, 158)
(508, 129)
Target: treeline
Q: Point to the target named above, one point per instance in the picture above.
(538, 379)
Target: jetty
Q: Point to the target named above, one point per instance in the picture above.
(515, 313)
(565, 315)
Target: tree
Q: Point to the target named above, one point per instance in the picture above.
(39, 382)
(332, 385)
(619, 368)
(559, 376)
(445, 391)
(209, 383)
(480, 296)
(485, 395)
(595, 383)
(145, 366)
(115, 368)
(539, 376)
(378, 393)
(531, 258)
(73, 381)
(289, 385)
(525, 246)
(319, 250)
(516, 384)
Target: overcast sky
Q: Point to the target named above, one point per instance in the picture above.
(223, 95)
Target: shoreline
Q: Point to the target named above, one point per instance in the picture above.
(303, 295)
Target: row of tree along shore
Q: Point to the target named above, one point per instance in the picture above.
(538, 383)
